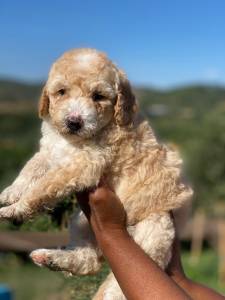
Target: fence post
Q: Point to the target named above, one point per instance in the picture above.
(198, 228)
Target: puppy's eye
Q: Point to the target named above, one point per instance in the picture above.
(97, 96)
(61, 92)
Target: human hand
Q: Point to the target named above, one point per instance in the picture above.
(104, 211)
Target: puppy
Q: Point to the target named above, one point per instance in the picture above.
(89, 131)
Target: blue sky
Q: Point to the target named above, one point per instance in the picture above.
(159, 43)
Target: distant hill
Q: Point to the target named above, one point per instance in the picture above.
(12, 90)
(197, 99)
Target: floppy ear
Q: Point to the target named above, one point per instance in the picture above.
(125, 106)
(43, 104)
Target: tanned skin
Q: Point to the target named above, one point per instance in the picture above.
(137, 274)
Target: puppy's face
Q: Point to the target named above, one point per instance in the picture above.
(84, 93)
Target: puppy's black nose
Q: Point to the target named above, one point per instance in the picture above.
(74, 123)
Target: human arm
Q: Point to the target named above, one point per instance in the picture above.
(195, 290)
(137, 274)
(144, 279)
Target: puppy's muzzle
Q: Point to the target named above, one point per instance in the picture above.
(74, 123)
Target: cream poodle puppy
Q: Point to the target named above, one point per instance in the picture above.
(89, 131)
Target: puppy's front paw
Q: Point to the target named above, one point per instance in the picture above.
(45, 258)
(74, 262)
(9, 196)
(17, 211)
(52, 259)
(7, 212)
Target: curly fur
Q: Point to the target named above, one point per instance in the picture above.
(145, 175)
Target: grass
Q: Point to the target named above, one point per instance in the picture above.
(204, 271)
(28, 281)
(32, 283)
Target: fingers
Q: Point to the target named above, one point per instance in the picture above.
(95, 195)
(103, 209)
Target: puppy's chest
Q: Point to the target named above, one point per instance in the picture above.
(59, 151)
(63, 153)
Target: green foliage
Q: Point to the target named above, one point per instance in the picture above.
(204, 271)
(18, 91)
(84, 287)
(19, 135)
(206, 159)
(30, 282)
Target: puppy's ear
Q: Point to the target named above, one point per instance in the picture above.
(43, 104)
(126, 105)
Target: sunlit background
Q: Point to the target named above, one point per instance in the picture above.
(173, 53)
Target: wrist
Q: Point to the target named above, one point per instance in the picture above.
(182, 281)
(108, 237)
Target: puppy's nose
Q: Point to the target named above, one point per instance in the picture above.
(74, 123)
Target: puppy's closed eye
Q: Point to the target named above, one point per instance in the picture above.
(97, 96)
(61, 92)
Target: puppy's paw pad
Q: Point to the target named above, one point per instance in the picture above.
(40, 257)
(47, 258)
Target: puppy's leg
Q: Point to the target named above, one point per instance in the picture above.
(77, 261)
(80, 258)
(52, 187)
(112, 290)
(101, 290)
(109, 289)
(155, 236)
(34, 169)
